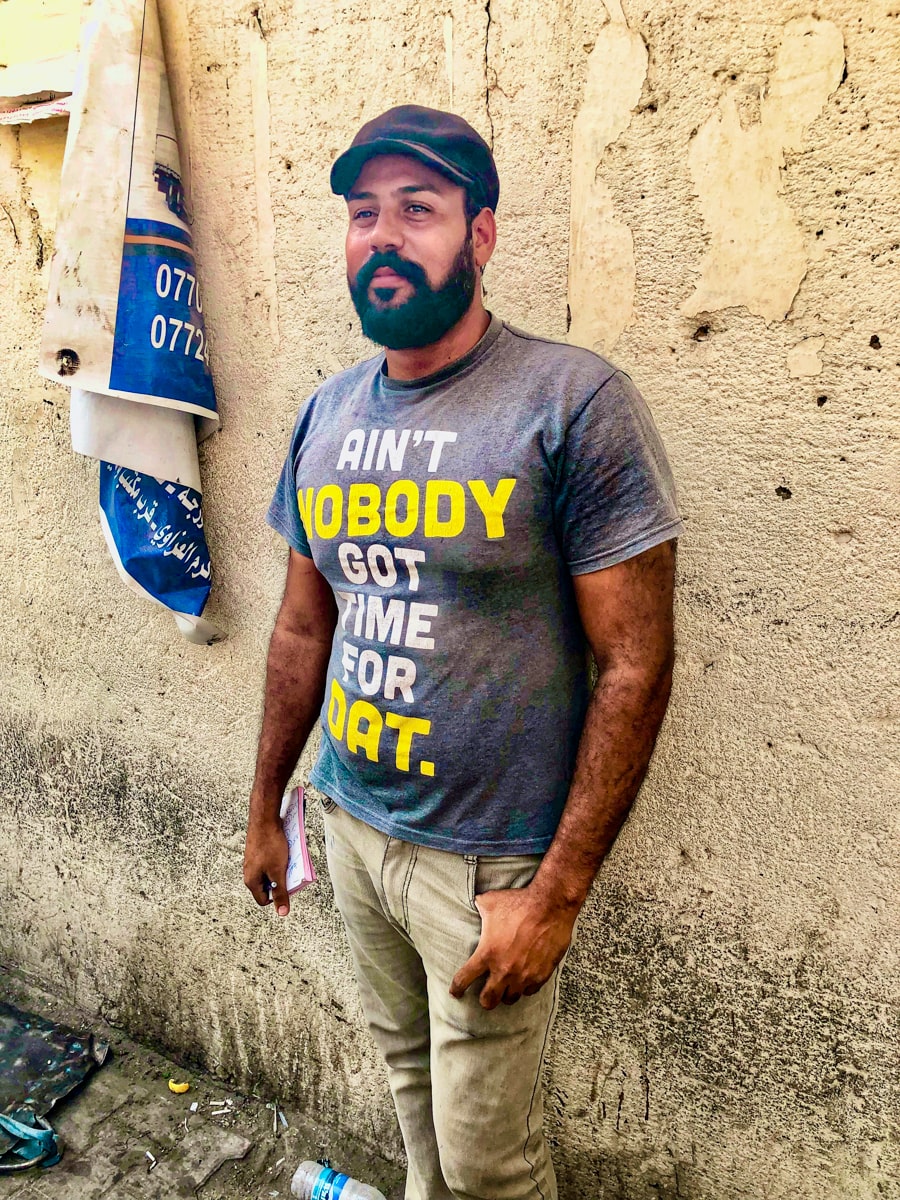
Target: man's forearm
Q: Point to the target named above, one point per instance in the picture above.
(295, 685)
(626, 614)
(623, 719)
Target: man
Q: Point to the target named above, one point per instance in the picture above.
(467, 513)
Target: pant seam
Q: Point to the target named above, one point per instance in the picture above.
(537, 1083)
(383, 897)
(406, 886)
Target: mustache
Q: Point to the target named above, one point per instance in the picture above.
(390, 259)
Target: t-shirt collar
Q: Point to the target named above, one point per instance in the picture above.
(478, 351)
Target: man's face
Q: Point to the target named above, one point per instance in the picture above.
(410, 262)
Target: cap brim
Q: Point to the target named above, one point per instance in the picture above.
(347, 167)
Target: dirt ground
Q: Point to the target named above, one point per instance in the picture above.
(127, 1136)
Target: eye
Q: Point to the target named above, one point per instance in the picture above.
(363, 214)
(418, 210)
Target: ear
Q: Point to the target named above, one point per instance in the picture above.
(484, 236)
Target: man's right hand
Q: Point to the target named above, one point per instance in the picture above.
(265, 863)
(295, 687)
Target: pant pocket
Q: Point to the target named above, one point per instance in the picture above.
(498, 873)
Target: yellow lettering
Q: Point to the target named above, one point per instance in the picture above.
(455, 523)
(492, 505)
(337, 710)
(331, 492)
(304, 504)
(363, 516)
(362, 711)
(392, 522)
(406, 727)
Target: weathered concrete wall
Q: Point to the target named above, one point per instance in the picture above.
(729, 1026)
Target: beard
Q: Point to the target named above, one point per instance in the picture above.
(429, 312)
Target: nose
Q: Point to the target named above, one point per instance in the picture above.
(387, 232)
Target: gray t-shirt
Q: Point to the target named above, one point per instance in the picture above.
(448, 515)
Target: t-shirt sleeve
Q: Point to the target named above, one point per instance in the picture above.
(615, 496)
(284, 512)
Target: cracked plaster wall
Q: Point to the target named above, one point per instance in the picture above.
(729, 1024)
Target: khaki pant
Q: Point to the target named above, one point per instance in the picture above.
(466, 1082)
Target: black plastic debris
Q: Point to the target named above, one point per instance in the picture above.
(41, 1062)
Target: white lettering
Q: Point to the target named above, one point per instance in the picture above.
(352, 450)
(370, 449)
(349, 655)
(418, 623)
(384, 625)
(410, 558)
(439, 438)
(381, 564)
(399, 677)
(351, 560)
(391, 450)
(349, 599)
(371, 669)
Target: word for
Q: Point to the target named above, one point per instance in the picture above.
(164, 276)
(363, 725)
(391, 448)
(159, 328)
(398, 675)
(402, 510)
(396, 623)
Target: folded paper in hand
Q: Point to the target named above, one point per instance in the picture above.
(300, 871)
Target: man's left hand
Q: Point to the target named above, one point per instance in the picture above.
(522, 942)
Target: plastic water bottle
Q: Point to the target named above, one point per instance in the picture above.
(317, 1181)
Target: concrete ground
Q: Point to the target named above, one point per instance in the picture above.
(125, 1113)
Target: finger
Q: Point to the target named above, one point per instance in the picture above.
(492, 993)
(258, 886)
(532, 989)
(484, 903)
(511, 997)
(279, 894)
(471, 970)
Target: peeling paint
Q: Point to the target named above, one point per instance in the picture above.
(728, 1024)
(757, 255)
(602, 272)
(803, 359)
(42, 146)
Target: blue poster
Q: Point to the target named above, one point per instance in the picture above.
(157, 531)
(124, 326)
(160, 344)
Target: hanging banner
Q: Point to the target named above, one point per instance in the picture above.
(36, 90)
(124, 323)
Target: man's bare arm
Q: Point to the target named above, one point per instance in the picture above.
(626, 611)
(627, 618)
(295, 684)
